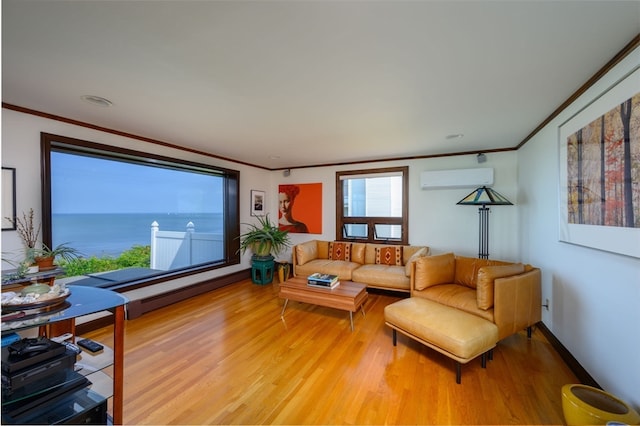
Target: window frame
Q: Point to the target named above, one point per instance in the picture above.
(371, 222)
(50, 142)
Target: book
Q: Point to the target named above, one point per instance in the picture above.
(327, 286)
(319, 278)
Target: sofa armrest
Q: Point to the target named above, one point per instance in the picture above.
(412, 277)
(303, 253)
(518, 302)
(294, 261)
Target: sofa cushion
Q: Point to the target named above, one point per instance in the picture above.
(457, 334)
(357, 252)
(341, 268)
(434, 270)
(306, 252)
(370, 252)
(339, 251)
(486, 277)
(422, 251)
(467, 269)
(323, 249)
(382, 276)
(391, 255)
(457, 296)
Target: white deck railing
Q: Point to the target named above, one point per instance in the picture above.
(174, 249)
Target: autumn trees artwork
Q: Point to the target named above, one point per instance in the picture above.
(603, 169)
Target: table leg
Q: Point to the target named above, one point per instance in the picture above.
(351, 318)
(118, 365)
(284, 307)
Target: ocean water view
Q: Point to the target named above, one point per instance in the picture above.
(109, 234)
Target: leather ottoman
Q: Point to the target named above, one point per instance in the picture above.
(450, 331)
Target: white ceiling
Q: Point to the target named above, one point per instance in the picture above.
(283, 84)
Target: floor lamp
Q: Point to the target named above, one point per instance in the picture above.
(484, 197)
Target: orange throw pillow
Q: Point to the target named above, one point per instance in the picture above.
(389, 255)
(340, 251)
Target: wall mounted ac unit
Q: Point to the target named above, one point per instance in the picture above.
(462, 178)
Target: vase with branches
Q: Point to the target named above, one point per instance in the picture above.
(28, 233)
(42, 256)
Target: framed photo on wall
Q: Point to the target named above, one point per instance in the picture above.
(599, 190)
(257, 203)
(8, 198)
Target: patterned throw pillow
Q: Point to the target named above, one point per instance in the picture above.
(340, 251)
(389, 255)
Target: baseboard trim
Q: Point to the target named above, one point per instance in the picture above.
(573, 364)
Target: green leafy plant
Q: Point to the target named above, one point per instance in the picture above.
(264, 238)
(136, 256)
(63, 251)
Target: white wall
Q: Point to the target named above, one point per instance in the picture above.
(434, 218)
(594, 295)
(21, 149)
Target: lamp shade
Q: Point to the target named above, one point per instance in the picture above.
(484, 196)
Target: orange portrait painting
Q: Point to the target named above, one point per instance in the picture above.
(300, 208)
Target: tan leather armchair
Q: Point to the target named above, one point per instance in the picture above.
(507, 294)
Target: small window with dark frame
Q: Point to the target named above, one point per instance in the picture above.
(372, 205)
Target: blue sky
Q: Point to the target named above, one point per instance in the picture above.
(92, 185)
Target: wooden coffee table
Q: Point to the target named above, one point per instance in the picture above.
(348, 296)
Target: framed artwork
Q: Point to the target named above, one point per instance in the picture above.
(257, 203)
(8, 198)
(599, 183)
(300, 208)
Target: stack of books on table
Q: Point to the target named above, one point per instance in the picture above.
(323, 280)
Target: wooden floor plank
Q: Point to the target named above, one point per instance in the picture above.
(226, 357)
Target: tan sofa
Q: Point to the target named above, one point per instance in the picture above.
(381, 266)
(506, 294)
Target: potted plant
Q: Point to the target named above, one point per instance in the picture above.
(264, 238)
(46, 256)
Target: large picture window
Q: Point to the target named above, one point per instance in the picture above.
(136, 217)
(372, 205)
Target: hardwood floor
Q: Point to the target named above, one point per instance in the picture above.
(226, 357)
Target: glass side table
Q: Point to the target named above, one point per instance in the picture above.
(85, 301)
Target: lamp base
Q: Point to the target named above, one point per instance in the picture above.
(483, 245)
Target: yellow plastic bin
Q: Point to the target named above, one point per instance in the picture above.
(586, 405)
